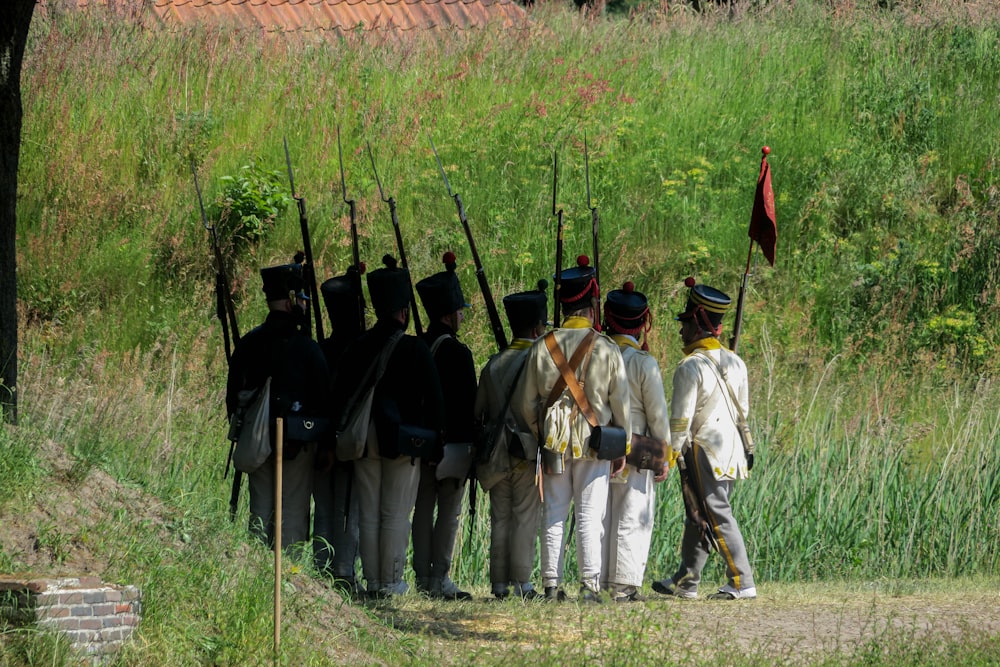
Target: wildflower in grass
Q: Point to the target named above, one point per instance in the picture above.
(958, 327)
(697, 252)
(697, 176)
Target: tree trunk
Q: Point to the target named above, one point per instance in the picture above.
(15, 17)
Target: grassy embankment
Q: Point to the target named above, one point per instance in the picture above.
(870, 343)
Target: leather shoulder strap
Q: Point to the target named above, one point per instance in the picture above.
(437, 343)
(574, 362)
(568, 371)
(720, 373)
(373, 374)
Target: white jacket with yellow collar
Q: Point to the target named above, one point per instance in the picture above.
(702, 410)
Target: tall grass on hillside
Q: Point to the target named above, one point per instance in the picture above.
(883, 157)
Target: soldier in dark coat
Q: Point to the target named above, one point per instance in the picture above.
(300, 384)
(409, 393)
(335, 503)
(442, 484)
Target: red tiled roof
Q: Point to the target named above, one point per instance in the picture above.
(341, 15)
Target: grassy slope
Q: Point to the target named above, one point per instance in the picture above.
(868, 343)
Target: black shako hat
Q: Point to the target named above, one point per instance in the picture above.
(577, 285)
(281, 280)
(526, 309)
(626, 310)
(389, 287)
(341, 295)
(441, 293)
(706, 306)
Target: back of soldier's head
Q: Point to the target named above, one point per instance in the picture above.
(441, 293)
(345, 302)
(389, 288)
(527, 311)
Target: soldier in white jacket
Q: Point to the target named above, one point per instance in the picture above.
(628, 525)
(703, 425)
(509, 475)
(583, 480)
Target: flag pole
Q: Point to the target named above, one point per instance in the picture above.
(763, 230)
(734, 340)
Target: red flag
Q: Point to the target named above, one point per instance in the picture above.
(763, 228)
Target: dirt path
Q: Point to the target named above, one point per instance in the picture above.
(793, 624)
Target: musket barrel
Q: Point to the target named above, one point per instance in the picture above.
(595, 221)
(414, 311)
(355, 243)
(226, 312)
(308, 268)
(225, 309)
(484, 286)
(557, 279)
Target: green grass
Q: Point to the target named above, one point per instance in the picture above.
(869, 344)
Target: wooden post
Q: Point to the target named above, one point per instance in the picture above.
(278, 456)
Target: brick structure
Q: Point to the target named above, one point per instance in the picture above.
(96, 617)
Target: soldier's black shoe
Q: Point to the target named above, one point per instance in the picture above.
(668, 587)
(630, 594)
(530, 594)
(448, 590)
(590, 597)
(556, 594)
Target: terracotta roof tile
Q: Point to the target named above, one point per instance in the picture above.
(341, 15)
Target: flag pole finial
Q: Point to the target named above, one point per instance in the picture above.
(766, 150)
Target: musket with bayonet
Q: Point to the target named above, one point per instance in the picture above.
(484, 286)
(391, 201)
(226, 312)
(355, 244)
(595, 222)
(557, 304)
(308, 267)
(224, 308)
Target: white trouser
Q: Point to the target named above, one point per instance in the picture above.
(584, 483)
(335, 521)
(628, 528)
(296, 490)
(386, 492)
(434, 537)
(514, 511)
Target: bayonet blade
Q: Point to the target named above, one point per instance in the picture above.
(378, 181)
(440, 166)
(288, 163)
